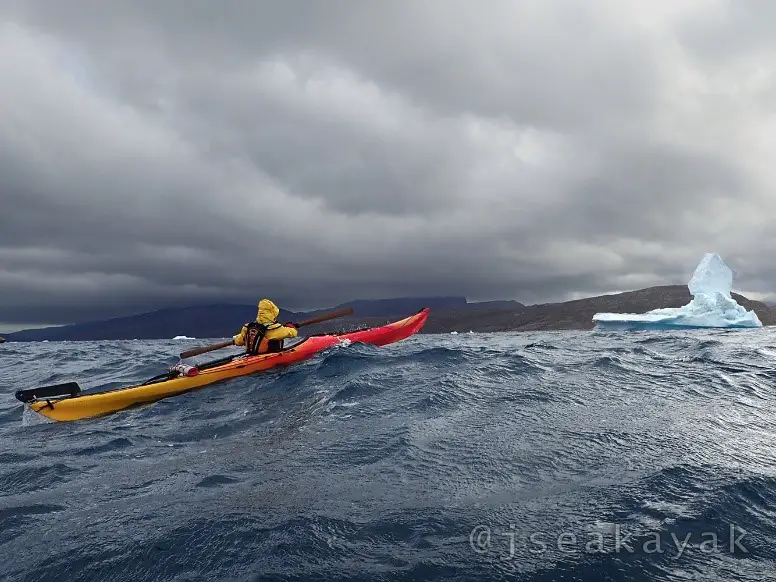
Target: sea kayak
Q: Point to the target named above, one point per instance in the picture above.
(75, 405)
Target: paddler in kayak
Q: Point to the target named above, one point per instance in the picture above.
(265, 334)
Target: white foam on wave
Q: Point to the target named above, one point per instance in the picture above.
(32, 418)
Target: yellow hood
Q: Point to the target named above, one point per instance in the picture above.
(268, 311)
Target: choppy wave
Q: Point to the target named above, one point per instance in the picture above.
(543, 456)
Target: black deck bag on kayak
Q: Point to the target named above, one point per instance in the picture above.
(54, 391)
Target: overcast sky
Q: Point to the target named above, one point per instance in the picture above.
(189, 151)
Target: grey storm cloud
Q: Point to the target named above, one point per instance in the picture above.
(171, 153)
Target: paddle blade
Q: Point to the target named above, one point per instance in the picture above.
(66, 389)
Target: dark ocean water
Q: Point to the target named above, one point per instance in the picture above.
(583, 456)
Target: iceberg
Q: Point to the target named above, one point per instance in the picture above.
(711, 306)
(183, 337)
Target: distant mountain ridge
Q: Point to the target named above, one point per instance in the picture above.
(224, 320)
(203, 321)
(447, 314)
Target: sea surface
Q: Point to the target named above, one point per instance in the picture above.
(574, 456)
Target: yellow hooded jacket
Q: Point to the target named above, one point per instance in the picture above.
(268, 313)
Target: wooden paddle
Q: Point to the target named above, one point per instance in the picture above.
(225, 344)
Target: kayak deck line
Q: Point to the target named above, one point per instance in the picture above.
(66, 402)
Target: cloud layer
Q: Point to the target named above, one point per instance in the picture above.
(173, 153)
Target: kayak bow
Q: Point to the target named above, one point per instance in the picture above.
(76, 405)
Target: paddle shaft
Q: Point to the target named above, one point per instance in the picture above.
(326, 316)
(204, 349)
(225, 344)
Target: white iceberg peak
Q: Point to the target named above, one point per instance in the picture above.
(711, 276)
